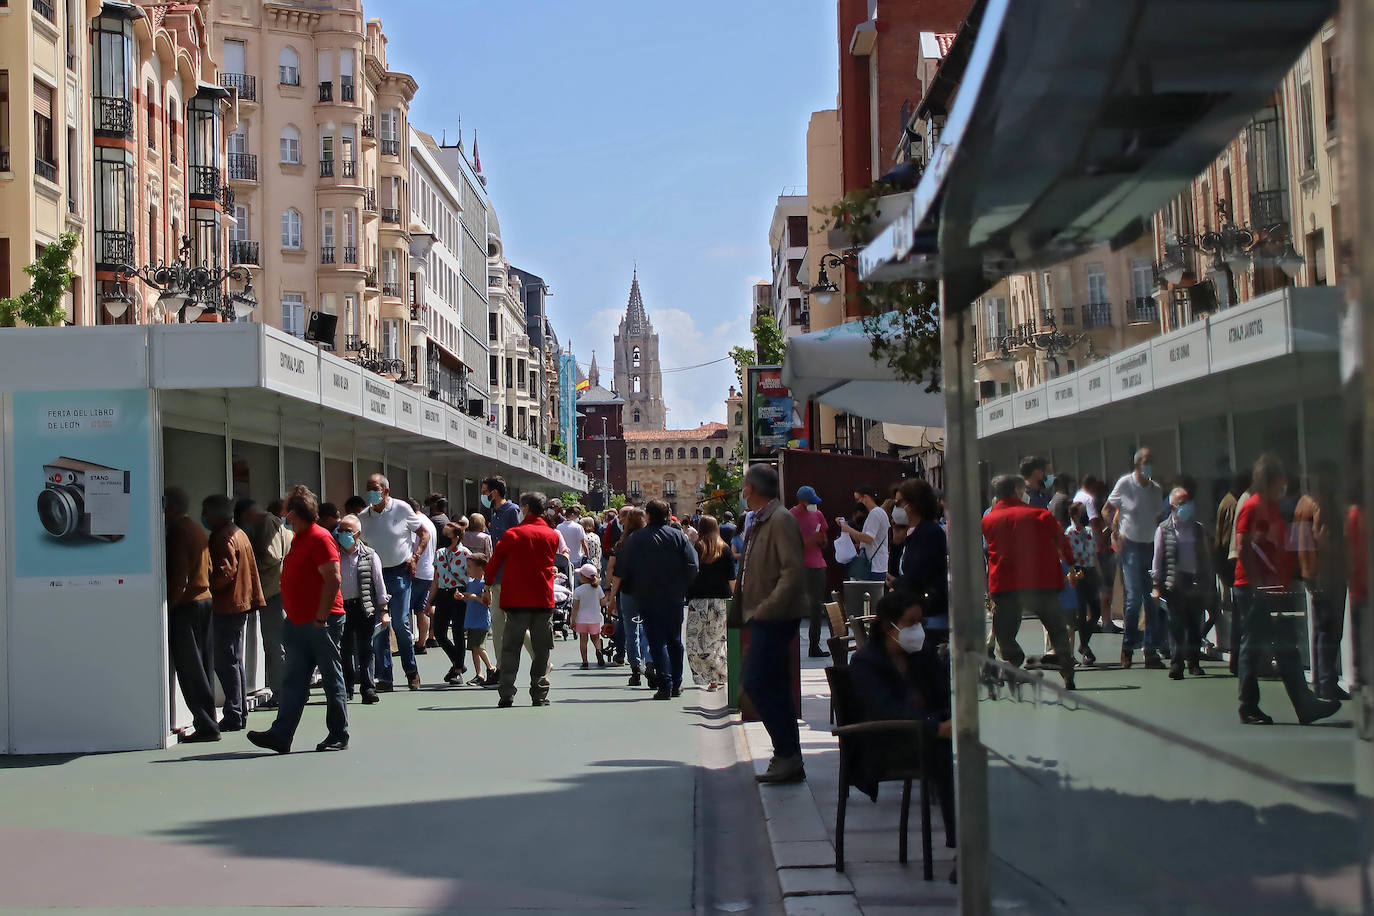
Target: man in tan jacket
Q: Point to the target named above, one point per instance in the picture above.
(188, 613)
(271, 542)
(235, 591)
(769, 600)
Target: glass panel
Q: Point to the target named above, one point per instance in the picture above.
(302, 466)
(256, 472)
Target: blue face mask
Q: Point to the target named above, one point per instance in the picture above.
(486, 501)
(1184, 512)
(205, 522)
(347, 540)
(373, 497)
(1147, 471)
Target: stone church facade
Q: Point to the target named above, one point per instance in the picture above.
(638, 373)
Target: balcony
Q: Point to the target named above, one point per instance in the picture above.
(370, 200)
(243, 167)
(1268, 208)
(326, 168)
(370, 127)
(1047, 318)
(1142, 310)
(1097, 315)
(226, 198)
(420, 314)
(327, 91)
(391, 147)
(246, 85)
(204, 181)
(391, 215)
(44, 9)
(114, 248)
(113, 115)
(1070, 316)
(371, 281)
(349, 168)
(346, 92)
(243, 252)
(44, 169)
(350, 254)
(391, 289)
(327, 254)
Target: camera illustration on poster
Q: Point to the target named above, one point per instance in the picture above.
(776, 420)
(81, 481)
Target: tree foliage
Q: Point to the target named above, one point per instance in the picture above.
(617, 501)
(769, 348)
(901, 318)
(723, 480)
(51, 276)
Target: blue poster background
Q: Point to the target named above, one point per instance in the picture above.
(53, 424)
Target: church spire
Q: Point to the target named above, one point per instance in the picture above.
(594, 374)
(636, 319)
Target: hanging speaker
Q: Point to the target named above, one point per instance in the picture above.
(321, 327)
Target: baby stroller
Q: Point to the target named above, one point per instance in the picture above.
(562, 596)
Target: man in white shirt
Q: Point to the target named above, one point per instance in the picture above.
(574, 535)
(1132, 514)
(877, 534)
(395, 531)
(420, 582)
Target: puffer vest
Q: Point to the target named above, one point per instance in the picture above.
(1169, 527)
(367, 590)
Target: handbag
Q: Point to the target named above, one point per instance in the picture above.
(862, 565)
(844, 549)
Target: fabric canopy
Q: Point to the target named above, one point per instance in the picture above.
(835, 367)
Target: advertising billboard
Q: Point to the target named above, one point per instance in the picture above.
(81, 481)
(774, 421)
(567, 407)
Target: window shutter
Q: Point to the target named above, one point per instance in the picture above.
(42, 100)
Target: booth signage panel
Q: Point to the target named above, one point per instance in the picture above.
(1062, 394)
(407, 410)
(1131, 373)
(75, 358)
(1030, 406)
(1240, 337)
(379, 400)
(997, 416)
(1180, 357)
(1094, 387)
(208, 356)
(453, 426)
(432, 419)
(341, 386)
(291, 368)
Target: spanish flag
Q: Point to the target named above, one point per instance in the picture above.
(584, 384)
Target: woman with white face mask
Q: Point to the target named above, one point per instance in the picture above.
(900, 674)
(923, 569)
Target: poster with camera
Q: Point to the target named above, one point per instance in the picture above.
(775, 420)
(81, 486)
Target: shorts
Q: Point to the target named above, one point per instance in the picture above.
(475, 639)
(591, 629)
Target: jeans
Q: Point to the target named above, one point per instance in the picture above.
(271, 619)
(1042, 603)
(1328, 618)
(449, 611)
(1135, 575)
(188, 644)
(357, 646)
(308, 645)
(1263, 632)
(769, 685)
(228, 640)
(1185, 601)
(1089, 590)
(815, 598)
(635, 642)
(538, 624)
(663, 628)
(397, 579)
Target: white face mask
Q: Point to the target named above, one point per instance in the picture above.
(912, 638)
(812, 507)
(899, 516)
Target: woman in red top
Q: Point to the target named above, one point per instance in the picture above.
(1264, 573)
(314, 627)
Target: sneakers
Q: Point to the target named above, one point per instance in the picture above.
(453, 675)
(1176, 670)
(817, 652)
(585, 666)
(200, 737)
(651, 677)
(370, 697)
(782, 770)
(505, 703)
(1254, 716)
(1314, 709)
(1195, 669)
(1152, 660)
(677, 691)
(227, 725)
(268, 741)
(384, 687)
(663, 692)
(333, 743)
(413, 682)
(541, 702)
(634, 678)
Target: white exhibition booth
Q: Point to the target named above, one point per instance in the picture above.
(98, 421)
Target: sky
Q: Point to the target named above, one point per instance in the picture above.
(616, 133)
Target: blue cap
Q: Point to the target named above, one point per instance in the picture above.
(808, 495)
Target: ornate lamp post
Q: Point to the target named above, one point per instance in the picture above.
(187, 290)
(1235, 246)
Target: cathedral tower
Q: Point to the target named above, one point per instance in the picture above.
(638, 375)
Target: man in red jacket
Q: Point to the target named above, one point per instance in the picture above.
(1025, 546)
(526, 553)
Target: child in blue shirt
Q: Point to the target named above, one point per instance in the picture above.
(477, 620)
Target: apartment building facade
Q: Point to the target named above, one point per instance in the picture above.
(513, 360)
(787, 246)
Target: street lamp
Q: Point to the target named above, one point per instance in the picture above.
(825, 289)
(1234, 245)
(187, 289)
(605, 464)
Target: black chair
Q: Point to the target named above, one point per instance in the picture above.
(856, 742)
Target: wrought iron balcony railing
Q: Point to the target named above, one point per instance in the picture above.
(370, 126)
(346, 88)
(327, 91)
(370, 200)
(327, 254)
(243, 167)
(326, 168)
(1097, 315)
(1142, 310)
(350, 254)
(113, 115)
(391, 215)
(45, 169)
(246, 84)
(242, 251)
(391, 289)
(391, 147)
(44, 9)
(114, 248)
(349, 168)
(204, 180)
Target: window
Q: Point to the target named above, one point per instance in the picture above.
(291, 229)
(694, 453)
(1329, 71)
(720, 452)
(637, 420)
(4, 122)
(289, 67)
(150, 100)
(235, 57)
(495, 372)
(114, 195)
(327, 236)
(44, 153)
(1306, 126)
(290, 145)
(682, 454)
(352, 320)
(293, 313)
(510, 372)
(657, 454)
(1097, 284)
(644, 454)
(1142, 279)
(635, 358)
(520, 375)
(634, 385)
(391, 339)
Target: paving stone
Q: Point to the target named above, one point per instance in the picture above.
(802, 881)
(828, 905)
(803, 854)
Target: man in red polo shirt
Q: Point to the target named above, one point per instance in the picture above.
(1025, 546)
(314, 626)
(526, 553)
